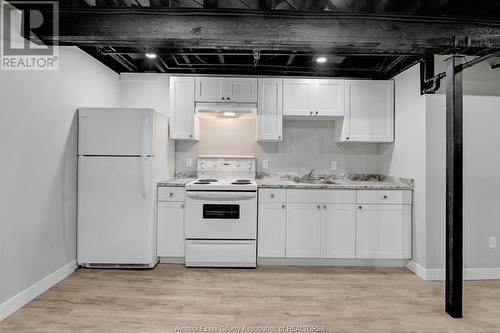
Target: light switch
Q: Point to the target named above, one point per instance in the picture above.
(265, 164)
(189, 162)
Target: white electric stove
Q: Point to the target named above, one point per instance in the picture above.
(221, 213)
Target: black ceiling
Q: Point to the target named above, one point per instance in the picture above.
(377, 65)
(248, 62)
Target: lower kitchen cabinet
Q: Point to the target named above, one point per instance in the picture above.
(272, 226)
(320, 231)
(383, 231)
(303, 230)
(338, 231)
(170, 229)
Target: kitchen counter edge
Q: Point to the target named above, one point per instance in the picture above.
(347, 185)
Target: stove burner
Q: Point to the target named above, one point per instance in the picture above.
(242, 182)
(205, 181)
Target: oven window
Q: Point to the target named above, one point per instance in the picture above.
(211, 211)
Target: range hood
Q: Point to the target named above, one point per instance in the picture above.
(226, 110)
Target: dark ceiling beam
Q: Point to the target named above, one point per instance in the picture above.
(250, 53)
(236, 29)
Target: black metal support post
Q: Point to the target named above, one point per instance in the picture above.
(454, 187)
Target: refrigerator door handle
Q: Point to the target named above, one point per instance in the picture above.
(144, 134)
(143, 157)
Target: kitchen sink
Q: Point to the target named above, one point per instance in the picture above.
(314, 181)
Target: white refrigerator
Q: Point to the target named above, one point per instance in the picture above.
(122, 154)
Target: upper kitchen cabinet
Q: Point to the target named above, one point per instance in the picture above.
(184, 125)
(369, 111)
(313, 97)
(220, 89)
(297, 97)
(270, 110)
(328, 98)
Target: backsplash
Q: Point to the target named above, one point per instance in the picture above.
(306, 145)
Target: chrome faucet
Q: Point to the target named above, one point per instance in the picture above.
(310, 173)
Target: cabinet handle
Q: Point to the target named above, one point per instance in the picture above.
(190, 135)
(170, 194)
(347, 138)
(272, 195)
(279, 136)
(324, 206)
(310, 113)
(228, 98)
(282, 206)
(319, 206)
(182, 205)
(316, 112)
(223, 98)
(360, 207)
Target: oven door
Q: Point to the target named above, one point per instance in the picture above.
(221, 215)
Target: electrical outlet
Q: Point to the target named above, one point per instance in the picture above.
(265, 164)
(493, 242)
(334, 165)
(189, 162)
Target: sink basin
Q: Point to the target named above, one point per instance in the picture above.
(314, 181)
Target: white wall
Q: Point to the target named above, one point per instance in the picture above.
(481, 180)
(406, 156)
(147, 90)
(306, 145)
(38, 166)
(419, 152)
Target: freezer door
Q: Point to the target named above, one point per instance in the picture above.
(115, 131)
(116, 210)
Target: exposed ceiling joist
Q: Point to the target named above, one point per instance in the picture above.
(231, 29)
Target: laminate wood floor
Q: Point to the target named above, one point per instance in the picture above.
(171, 298)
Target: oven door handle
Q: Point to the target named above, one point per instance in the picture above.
(221, 195)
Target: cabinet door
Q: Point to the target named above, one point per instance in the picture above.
(338, 231)
(270, 110)
(210, 89)
(328, 98)
(272, 229)
(369, 111)
(182, 118)
(303, 231)
(170, 229)
(297, 97)
(242, 90)
(383, 232)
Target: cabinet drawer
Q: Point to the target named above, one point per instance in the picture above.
(384, 197)
(170, 193)
(272, 195)
(321, 196)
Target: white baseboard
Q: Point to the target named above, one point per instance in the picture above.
(438, 274)
(30, 293)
